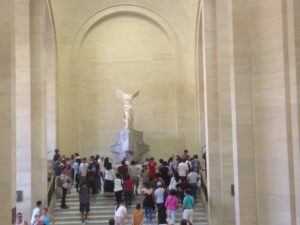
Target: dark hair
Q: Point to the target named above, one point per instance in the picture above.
(188, 191)
(132, 162)
(138, 206)
(173, 192)
(107, 164)
(111, 221)
(38, 203)
(184, 222)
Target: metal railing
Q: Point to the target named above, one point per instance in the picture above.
(51, 186)
(204, 183)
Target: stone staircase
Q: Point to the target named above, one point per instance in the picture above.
(102, 209)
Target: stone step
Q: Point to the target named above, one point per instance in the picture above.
(105, 222)
(102, 209)
(68, 213)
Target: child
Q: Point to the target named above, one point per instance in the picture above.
(138, 215)
(118, 189)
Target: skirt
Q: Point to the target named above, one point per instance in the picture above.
(108, 186)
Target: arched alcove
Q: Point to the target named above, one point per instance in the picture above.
(130, 48)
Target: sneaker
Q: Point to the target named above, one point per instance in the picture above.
(86, 221)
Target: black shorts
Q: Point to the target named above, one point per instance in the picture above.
(84, 207)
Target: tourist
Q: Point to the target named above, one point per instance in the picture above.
(46, 218)
(65, 182)
(148, 202)
(134, 175)
(138, 215)
(196, 165)
(128, 190)
(20, 220)
(118, 189)
(123, 170)
(83, 169)
(36, 213)
(171, 205)
(187, 206)
(159, 194)
(120, 213)
(111, 221)
(182, 169)
(84, 201)
(192, 179)
(151, 169)
(109, 176)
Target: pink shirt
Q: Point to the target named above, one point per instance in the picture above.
(171, 202)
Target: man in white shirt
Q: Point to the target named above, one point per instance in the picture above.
(134, 175)
(36, 213)
(83, 169)
(159, 194)
(182, 170)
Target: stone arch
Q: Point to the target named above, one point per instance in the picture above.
(94, 22)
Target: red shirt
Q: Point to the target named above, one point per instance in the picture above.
(128, 185)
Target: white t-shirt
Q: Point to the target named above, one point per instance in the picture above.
(83, 169)
(118, 184)
(159, 195)
(121, 211)
(134, 171)
(35, 212)
(182, 169)
(109, 174)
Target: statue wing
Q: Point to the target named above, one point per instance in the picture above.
(120, 94)
(136, 94)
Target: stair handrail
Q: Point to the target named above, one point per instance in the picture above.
(204, 182)
(51, 186)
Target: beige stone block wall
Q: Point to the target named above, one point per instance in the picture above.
(295, 7)
(271, 100)
(23, 104)
(7, 153)
(38, 101)
(243, 119)
(131, 46)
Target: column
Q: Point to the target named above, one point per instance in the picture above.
(211, 100)
(7, 131)
(23, 104)
(38, 102)
(242, 118)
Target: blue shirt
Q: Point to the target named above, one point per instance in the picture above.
(57, 169)
(188, 201)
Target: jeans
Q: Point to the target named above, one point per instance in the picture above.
(148, 214)
(128, 196)
(118, 195)
(63, 199)
(172, 215)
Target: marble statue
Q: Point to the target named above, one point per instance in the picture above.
(127, 107)
(129, 142)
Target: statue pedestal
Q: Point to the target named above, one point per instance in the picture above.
(129, 144)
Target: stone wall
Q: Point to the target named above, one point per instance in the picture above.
(130, 46)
